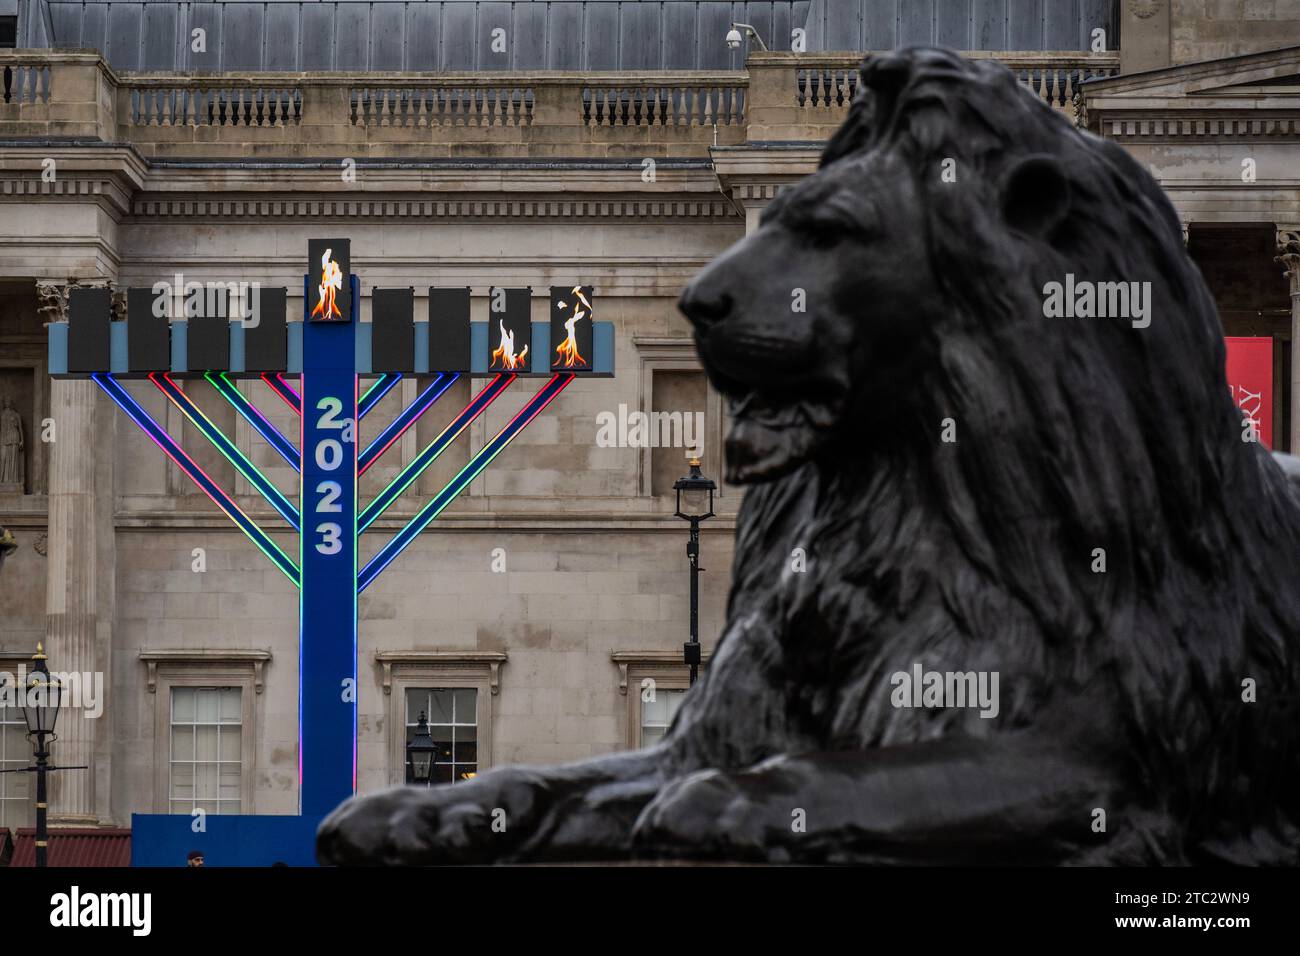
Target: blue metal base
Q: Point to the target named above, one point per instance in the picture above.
(161, 840)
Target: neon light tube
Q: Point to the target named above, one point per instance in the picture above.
(436, 447)
(255, 418)
(228, 448)
(137, 414)
(275, 381)
(405, 420)
(472, 470)
(375, 393)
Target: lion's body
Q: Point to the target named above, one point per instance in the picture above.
(977, 488)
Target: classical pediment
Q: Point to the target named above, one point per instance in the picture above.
(1272, 70)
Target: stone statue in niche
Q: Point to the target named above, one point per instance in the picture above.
(7, 544)
(1049, 611)
(13, 462)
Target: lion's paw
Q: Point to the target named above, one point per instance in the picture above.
(707, 815)
(478, 821)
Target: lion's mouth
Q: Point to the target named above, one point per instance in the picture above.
(772, 434)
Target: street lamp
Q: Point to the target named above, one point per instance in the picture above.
(40, 711)
(734, 38)
(420, 751)
(694, 504)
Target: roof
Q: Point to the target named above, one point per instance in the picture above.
(75, 846)
(438, 35)
(408, 35)
(972, 25)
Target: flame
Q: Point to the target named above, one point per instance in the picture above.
(505, 353)
(331, 283)
(567, 351)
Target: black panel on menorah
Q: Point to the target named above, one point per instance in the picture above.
(328, 295)
(392, 330)
(266, 346)
(148, 335)
(510, 330)
(89, 313)
(208, 343)
(449, 335)
(571, 330)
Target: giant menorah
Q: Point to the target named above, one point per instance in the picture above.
(328, 353)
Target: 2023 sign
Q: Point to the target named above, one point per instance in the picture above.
(329, 456)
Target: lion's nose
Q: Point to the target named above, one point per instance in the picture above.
(704, 305)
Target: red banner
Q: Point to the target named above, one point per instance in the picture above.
(1250, 379)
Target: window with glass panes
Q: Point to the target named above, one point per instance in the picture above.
(15, 752)
(657, 714)
(206, 757)
(452, 713)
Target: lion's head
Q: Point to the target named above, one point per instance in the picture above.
(947, 200)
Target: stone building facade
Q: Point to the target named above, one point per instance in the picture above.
(531, 612)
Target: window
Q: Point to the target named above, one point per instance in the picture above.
(452, 713)
(657, 713)
(206, 768)
(205, 753)
(15, 752)
(673, 382)
(9, 40)
(655, 684)
(456, 690)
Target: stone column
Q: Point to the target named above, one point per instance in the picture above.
(79, 587)
(1288, 248)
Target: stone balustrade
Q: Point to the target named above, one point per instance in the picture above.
(779, 96)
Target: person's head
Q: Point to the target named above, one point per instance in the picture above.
(195, 858)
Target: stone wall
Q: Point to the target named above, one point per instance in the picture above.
(1209, 29)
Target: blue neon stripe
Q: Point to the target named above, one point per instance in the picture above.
(375, 393)
(480, 461)
(430, 454)
(255, 418)
(196, 474)
(228, 448)
(405, 420)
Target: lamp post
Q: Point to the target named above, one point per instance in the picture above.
(40, 711)
(420, 752)
(694, 504)
(42, 698)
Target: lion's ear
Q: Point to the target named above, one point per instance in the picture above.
(1036, 196)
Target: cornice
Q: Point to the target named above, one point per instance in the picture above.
(1180, 125)
(442, 208)
(110, 175)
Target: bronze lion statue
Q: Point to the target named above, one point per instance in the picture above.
(1070, 507)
